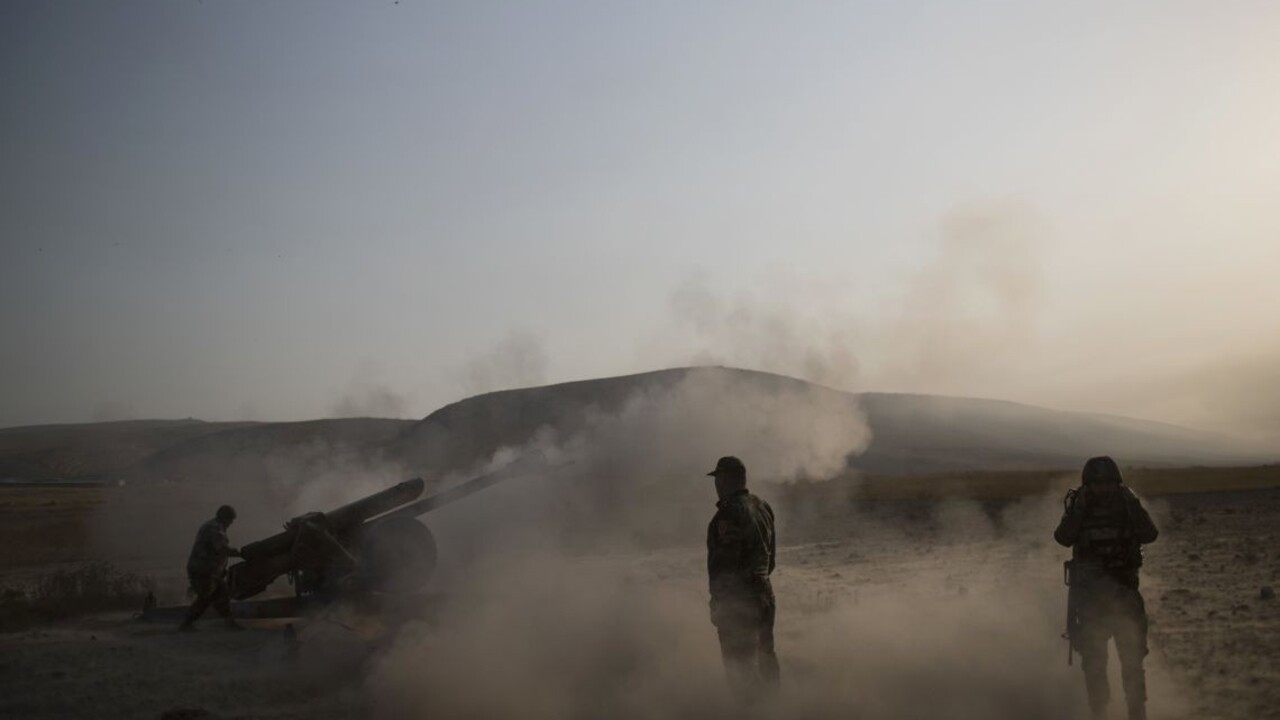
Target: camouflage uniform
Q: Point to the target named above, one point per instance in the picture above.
(1106, 528)
(207, 571)
(740, 557)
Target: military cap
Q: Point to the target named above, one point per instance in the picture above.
(729, 465)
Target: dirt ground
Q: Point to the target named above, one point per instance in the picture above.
(958, 601)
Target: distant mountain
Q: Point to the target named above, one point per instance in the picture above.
(928, 433)
(908, 433)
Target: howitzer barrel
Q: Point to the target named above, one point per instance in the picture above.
(453, 494)
(340, 519)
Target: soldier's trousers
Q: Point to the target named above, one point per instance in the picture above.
(745, 627)
(209, 591)
(1113, 613)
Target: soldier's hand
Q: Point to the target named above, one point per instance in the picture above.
(1081, 502)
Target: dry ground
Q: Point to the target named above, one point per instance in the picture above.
(954, 569)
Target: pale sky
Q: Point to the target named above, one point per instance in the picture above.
(290, 210)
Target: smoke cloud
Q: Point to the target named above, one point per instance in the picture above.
(801, 332)
(369, 399)
(636, 473)
(981, 289)
(580, 591)
(518, 360)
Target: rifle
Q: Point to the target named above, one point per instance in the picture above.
(1069, 635)
(1068, 506)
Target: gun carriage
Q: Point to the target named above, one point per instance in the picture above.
(373, 547)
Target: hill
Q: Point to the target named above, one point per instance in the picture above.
(908, 434)
(658, 422)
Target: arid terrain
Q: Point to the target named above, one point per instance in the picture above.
(918, 580)
(921, 597)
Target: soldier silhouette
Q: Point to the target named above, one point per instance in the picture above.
(1106, 526)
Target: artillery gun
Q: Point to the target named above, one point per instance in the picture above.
(373, 547)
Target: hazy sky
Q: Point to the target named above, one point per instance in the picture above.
(281, 210)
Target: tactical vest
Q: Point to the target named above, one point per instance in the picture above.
(1106, 541)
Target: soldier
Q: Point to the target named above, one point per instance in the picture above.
(1106, 526)
(207, 569)
(740, 557)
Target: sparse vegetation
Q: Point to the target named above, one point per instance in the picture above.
(95, 586)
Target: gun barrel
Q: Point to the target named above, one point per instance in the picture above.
(341, 518)
(453, 494)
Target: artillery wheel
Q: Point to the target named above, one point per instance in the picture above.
(398, 555)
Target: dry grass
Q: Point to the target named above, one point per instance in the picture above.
(43, 526)
(96, 586)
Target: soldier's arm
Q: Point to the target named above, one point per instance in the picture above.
(219, 543)
(1144, 530)
(1068, 531)
(711, 554)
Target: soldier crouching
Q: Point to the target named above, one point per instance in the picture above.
(740, 558)
(1106, 526)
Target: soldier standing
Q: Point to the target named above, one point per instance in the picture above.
(1106, 526)
(207, 569)
(740, 557)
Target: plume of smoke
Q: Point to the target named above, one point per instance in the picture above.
(370, 399)
(980, 290)
(518, 360)
(783, 431)
(636, 473)
(772, 331)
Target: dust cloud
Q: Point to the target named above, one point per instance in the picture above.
(582, 593)
(578, 590)
(960, 619)
(981, 288)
